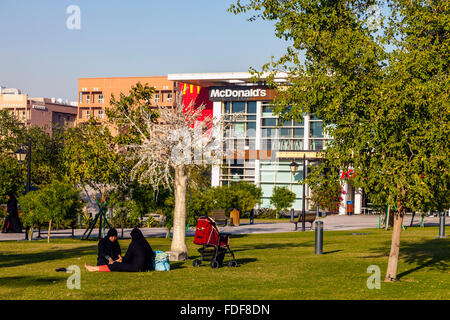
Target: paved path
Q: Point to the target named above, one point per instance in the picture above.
(335, 222)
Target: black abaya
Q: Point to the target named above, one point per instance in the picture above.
(139, 256)
(12, 222)
(106, 249)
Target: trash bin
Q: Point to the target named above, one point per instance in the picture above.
(235, 218)
(350, 207)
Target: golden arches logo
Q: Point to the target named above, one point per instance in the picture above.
(191, 88)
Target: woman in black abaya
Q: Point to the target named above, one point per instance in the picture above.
(109, 249)
(139, 257)
(12, 222)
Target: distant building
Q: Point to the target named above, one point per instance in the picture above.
(94, 94)
(42, 112)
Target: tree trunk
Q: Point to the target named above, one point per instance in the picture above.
(49, 230)
(391, 274)
(30, 233)
(179, 251)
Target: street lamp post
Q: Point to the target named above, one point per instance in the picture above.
(21, 154)
(303, 194)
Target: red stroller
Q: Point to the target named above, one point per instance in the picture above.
(214, 244)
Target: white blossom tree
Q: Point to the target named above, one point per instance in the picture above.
(179, 138)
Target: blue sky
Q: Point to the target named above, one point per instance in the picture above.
(42, 57)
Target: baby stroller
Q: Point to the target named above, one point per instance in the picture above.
(214, 244)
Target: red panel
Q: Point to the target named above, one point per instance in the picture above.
(198, 96)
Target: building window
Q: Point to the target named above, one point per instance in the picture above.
(24, 115)
(88, 114)
(169, 97)
(156, 97)
(81, 97)
(88, 98)
(101, 98)
(100, 114)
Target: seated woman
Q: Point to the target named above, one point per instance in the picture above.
(139, 257)
(109, 249)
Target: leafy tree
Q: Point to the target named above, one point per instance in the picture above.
(382, 93)
(326, 188)
(90, 157)
(12, 132)
(11, 177)
(242, 195)
(55, 203)
(282, 199)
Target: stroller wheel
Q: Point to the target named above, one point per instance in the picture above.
(196, 263)
(232, 264)
(214, 264)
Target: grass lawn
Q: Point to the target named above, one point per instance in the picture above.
(272, 266)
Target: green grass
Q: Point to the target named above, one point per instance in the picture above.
(272, 266)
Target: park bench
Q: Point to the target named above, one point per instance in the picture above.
(309, 217)
(219, 216)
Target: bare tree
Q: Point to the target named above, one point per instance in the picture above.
(179, 138)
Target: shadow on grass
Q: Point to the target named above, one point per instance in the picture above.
(334, 251)
(177, 265)
(434, 254)
(13, 260)
(274, 246)
(26, 281)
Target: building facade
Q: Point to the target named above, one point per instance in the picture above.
(48, 113)
(94, 94)
(259, 147)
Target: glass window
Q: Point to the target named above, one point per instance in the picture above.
(169, 97)
(227, 107)
(316, 130)
(267, 109)
(88, 98)
(251, 117)
(298, 124)
(239, 129)
(238, 106)
(267, 176)
(285, 133)
(268, 133)
(317, 144)
(287, 123)
(101, 98)
(272, 122)
(251, 129)
(267, 189)
(299, 133)
(251, 107)
(284, 176)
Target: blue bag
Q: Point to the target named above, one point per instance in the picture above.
(161, 261)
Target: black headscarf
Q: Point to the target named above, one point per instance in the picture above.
(111, 233)
(12, 204)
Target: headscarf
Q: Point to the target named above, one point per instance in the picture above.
(137, 236)
(111, 233)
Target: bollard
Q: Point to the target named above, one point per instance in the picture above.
(252, 216)
(442, 225)
(292, 214)
(319, 237)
